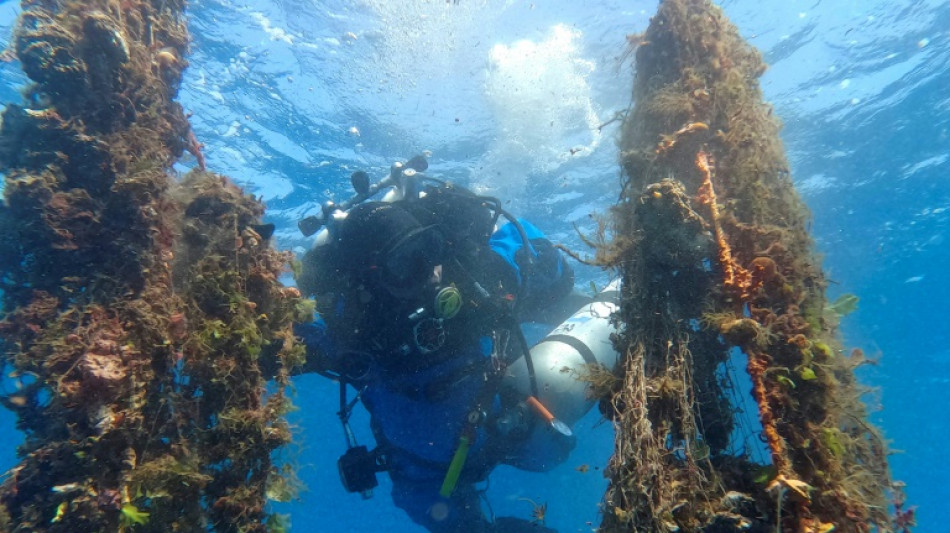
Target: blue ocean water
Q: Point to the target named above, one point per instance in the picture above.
(291, 96)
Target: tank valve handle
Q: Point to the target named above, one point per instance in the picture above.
(556, 424)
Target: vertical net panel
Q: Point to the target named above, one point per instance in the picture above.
(134, 306)
(710, 238)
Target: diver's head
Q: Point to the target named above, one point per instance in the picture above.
(387, 246)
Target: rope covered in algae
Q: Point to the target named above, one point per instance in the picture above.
(135, 304)
(711, 242)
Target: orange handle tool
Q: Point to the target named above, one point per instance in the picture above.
(542, 410)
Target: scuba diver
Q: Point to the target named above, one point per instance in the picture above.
(420, 301)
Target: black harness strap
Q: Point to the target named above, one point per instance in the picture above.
(575, 343)
(526, 351)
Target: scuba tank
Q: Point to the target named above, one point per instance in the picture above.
(554, 365)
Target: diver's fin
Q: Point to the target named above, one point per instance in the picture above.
(264, 230)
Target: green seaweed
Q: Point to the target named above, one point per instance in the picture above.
(131, 515)
(844, 305)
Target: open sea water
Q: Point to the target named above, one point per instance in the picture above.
(510, 97)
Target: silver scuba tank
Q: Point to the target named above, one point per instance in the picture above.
(558, 359)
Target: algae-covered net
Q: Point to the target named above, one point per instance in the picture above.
(711, 241)
(135, 305)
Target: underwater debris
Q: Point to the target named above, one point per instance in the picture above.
(134, 307)
(711, 242)
(538, 511)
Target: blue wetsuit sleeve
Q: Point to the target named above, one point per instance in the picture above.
(544, 277)
(321, 351)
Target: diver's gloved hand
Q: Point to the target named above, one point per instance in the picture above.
(507, 524)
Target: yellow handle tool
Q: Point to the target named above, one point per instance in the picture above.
(455, 468)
